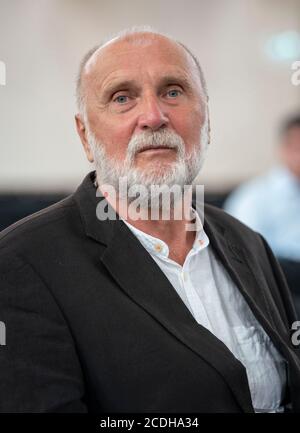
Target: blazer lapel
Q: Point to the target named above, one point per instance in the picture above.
(238, 264)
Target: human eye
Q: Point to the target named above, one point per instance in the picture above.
(173, 93)
(121, 99)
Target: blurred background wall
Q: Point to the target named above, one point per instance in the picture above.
(246, 48)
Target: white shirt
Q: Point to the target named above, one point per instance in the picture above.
(216, 303)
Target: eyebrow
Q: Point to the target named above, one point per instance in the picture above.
(117, 86)
(180, 80)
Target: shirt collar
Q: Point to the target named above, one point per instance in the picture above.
(158, 247)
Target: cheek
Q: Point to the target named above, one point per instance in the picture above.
(189, 127)
(197, 122)
(115, 137)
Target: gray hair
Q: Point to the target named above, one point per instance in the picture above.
(134, 31)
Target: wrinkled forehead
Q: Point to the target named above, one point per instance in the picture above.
(137, 53)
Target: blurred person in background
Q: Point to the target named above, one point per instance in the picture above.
(270, 204)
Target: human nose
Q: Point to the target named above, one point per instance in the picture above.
(152, 116)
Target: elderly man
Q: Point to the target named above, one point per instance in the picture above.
(132, 313)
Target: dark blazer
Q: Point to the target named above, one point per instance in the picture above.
(93, 324)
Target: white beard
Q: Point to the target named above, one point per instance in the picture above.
(182, 172)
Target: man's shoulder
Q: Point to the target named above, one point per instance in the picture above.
(221, 217)
(240, 239)
(40, 225)
(237, 230)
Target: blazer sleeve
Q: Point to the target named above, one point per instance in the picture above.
(281, 284)
(39, 367)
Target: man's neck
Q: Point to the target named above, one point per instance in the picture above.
(173, 231)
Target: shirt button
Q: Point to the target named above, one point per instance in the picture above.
(158, 248)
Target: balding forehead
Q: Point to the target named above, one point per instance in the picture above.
(140, 39)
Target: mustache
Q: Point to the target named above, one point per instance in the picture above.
(154, 140)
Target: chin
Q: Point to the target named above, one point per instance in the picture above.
(156, 164)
